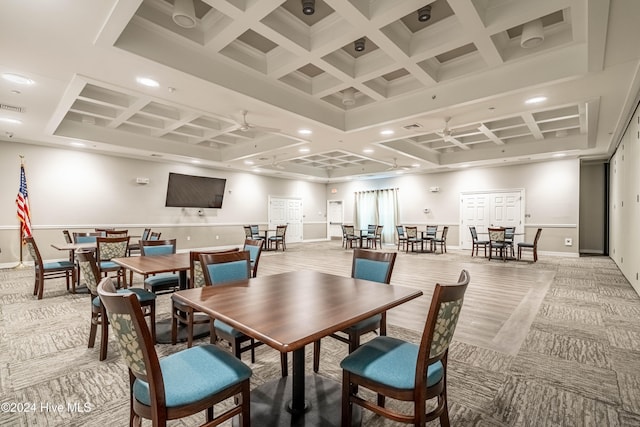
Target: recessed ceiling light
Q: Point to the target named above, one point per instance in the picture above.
(196, 161)
(305, 132)
(415, 165)
(560, 155)
(465, 165)
(77, 144)
(536, 100)
(10, 120)
(304, 150)
(146, 81)
(248, 162)
(387, 132)
(17, 78)
(368, 150)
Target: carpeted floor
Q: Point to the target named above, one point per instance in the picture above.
(579, 364)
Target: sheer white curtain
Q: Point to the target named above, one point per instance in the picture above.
(377, 207)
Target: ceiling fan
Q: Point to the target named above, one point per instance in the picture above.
(245, 126)
(447, 132)
(274, 164)
(396, 166)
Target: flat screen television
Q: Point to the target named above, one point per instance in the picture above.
(189, 191)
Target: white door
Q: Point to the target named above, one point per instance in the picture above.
(491, 209)
(335, 218)
(284, 210)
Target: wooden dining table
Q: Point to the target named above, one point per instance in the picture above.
(156, 264)
(287, 311)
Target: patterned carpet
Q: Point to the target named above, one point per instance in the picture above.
(578, 366)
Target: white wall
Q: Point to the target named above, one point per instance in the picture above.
(624, 203)
(551, 198)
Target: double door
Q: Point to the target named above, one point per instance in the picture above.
(490, 209)
(286, 210)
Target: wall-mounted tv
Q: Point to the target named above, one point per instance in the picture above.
(189, 191)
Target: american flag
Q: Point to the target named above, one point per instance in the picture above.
(24, 215)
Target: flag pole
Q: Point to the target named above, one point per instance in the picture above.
(20, 265)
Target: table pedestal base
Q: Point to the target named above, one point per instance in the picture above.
(270, 404)
(163, 331)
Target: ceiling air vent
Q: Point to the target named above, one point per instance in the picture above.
(11, 108)
(412, 127)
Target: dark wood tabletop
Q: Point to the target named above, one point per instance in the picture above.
(147, 265)
(289, 310)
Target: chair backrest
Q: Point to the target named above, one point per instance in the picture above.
(400, 230)
(33, 250)
(116, 233)
(225, 267)
(379, 230)
(535, 239)
(134, 338)
(442, 319)
(371, 265)
(196, 274)
(111, 247)
(496, 235)
(86, 237)
(247, 231)
(254, 247)
(509, 233)
(445, 229)
(67, 236)
(412, 232)
(89, 270)
(371, 229)
(474, 233)
(145, 234)
(255, 231)
(432, 230)
(281, 230)
(154, 236)
(157, 247)
(349, 230)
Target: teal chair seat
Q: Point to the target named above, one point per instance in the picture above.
(369, 323)
(57, 265)
(108, 265)
(162, 280)
(391, 362)
(227, 329)
(142, 294)
(192, 374)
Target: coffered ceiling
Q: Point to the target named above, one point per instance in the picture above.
(236, 90)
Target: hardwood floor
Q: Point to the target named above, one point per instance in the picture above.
(500, 303)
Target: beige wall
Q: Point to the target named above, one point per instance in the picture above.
(78, 190)
(551, 198)
(624, 203)
(592, 208)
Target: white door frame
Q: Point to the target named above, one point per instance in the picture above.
(329, 222)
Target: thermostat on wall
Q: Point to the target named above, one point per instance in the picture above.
(434, 189)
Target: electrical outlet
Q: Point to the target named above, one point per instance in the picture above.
(568, 241)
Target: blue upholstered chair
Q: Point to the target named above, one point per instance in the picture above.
(532, 246)
(477, 243)
(86, 237)
(402, 237)
(134, 248)
(161, 282)
(181, 384)
(509, 240)
(227, 267)
(442, 240)
(108, 248)
(367, 265)
(254, 247)
(184, 314)
(48, 270)
(280, 239)
(369, 236)
(405, 371)
(430, 235)
(89, 268)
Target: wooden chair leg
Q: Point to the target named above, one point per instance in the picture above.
(93, 330)
(104, 337)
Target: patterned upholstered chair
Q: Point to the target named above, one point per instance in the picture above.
(412, 238)
(91, 275)
(476, 244)
(406, 371)
(183, 314)
(161, 282)
(255, 250)
(108, 248)
(226, 267)
(368, 265)
(497, 244)
(350, 236)
(181, 384)
(48, 270)
(280, 239)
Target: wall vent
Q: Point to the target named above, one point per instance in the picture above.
(412, 126)
(11, 108)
